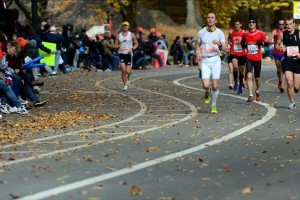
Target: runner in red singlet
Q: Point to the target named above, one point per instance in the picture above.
(278, 55)
(237, 58)
(253, 39)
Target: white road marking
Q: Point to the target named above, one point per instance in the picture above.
(271, 111)
(193, 113)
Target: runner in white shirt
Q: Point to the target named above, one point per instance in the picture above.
(209, 40)
(127, 43)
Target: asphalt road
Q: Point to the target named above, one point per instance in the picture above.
(160, 143)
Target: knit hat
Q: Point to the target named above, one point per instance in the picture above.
(32, 43)
(21, 41)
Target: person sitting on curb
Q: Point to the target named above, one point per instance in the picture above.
(8, 96)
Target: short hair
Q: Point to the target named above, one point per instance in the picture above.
(289, 18)
(237, 20)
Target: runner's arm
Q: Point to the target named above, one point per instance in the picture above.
(278, 42)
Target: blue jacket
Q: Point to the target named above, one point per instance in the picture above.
(58, 39)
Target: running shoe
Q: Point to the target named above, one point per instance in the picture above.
(230, 87)
(207, 98)
(125, 88)
(240, 89)
(257, 96)
(213, 110)
(235, 87)
(250, 99)
(280, 87)
(292, 106)
(4, 108)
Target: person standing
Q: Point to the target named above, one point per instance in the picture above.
(209, 40)
(291, 61)
(253, 39)
(127, 43)
(278, 55)
(237, 58)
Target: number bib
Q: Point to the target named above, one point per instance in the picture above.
(237, 48)
(210, 48)
(252, 49)
(292, 51)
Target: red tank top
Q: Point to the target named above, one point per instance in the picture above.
(275, 38)
(235, 40)
(253, 51)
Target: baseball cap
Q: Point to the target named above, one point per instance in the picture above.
(126, 23)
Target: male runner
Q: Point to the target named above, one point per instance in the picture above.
(209, 40)
(253, 39)
(127, 43)
(237, 58)
(278, 55)
(291, 61)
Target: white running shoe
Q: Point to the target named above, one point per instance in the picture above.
(292, 106)
(4, 109)
(125, 88)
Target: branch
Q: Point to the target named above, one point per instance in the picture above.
(24, 9)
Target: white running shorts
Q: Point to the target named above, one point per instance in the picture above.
(211, 68)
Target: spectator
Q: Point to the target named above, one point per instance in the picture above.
(8, 96)
(176, 51)
(53, 37)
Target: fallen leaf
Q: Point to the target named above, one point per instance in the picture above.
(135, 190)
(247, 190)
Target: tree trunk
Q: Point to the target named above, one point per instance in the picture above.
(267, 20)
(191, 20)
(198, 13)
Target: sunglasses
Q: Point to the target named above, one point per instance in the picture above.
(252, 22)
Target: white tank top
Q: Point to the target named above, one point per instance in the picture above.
(125, 43)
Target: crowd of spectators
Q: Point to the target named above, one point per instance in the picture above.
(74, 50)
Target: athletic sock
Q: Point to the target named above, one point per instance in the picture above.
(215, 95)
(241, 78)
(235, 76)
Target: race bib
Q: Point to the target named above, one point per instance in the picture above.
(292, 51)
(210, 48)
(252, 49)
(237, 48)
(124, 48)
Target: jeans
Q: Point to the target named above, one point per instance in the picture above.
(76, 57)
(27, 88)
(154, 55)
(57, 59)
(141, 62)
(8, 96)
(113, 62)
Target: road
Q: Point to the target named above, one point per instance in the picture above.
(160, 143)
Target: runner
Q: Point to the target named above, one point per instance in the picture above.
(127, 43)
(237, 58)
(278, 55)
(209, 40)
(253, 39)
(291, 61)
